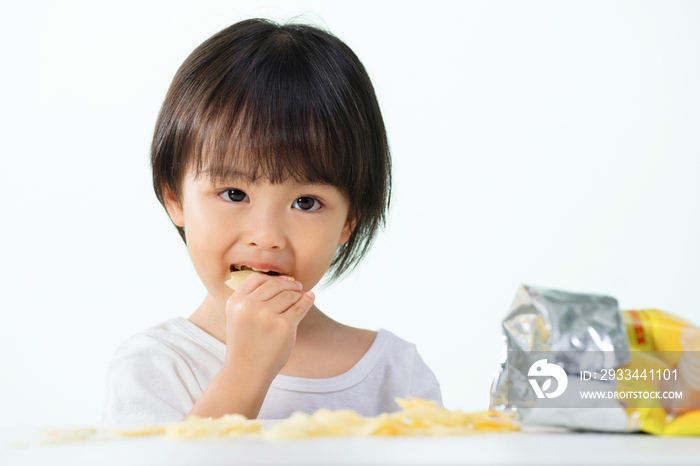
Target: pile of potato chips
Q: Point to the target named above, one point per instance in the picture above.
(419, 417)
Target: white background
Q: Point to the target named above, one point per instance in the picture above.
(548, 143)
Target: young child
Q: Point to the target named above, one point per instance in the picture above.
(269, 153)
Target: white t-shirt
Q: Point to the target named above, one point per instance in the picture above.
(158, 375)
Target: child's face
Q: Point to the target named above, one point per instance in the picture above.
(289, 228)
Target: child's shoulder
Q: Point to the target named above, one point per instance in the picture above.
(358, 341)
(340, 348)
(358, 337)
(175, 335)
(377, 346)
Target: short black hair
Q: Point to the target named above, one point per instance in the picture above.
(278, 102)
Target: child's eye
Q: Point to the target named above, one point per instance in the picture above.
(307, 203)
(235, 195)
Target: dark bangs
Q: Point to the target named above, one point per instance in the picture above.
(279, 103)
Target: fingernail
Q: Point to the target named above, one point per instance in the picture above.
(310, 294)
(299, 285)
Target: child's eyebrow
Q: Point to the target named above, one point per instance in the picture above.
(233, 177)
(228, 177)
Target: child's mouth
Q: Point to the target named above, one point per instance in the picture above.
(235, 267)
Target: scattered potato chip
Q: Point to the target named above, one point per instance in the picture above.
(72, 435)
(228, 425)
(141, 431)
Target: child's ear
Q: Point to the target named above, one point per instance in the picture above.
(172, 205)
(347, 229)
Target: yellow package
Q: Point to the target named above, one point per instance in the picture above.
(665, 354)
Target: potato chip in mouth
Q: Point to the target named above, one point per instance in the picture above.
(241, 272)
(235, 267)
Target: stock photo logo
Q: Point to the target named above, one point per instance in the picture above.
(542, 368)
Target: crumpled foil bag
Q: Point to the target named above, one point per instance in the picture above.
(579, 332)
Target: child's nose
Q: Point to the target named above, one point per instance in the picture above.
(266, 231)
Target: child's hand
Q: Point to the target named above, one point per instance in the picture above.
(262, 316)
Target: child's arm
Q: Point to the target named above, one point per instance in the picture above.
(262, 316)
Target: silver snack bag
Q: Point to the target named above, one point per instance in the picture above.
(560, 335)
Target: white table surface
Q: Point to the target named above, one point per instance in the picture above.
(20, 446)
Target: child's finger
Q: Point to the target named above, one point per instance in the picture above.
(272, 288)
(298, 310)
(252, 282)
(284, 300)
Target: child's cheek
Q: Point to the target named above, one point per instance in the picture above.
(207, 254)
(322, 251)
